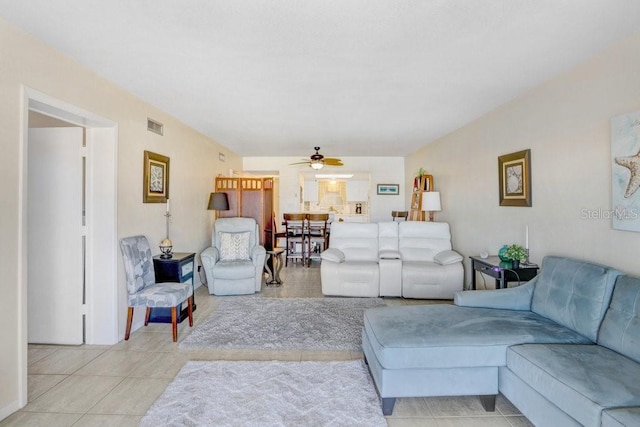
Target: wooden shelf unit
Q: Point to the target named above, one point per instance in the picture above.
(424, 183)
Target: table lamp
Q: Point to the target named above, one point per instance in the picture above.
(431, 203)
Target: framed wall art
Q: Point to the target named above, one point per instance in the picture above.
(156, 178)
(389, 189)
(625, 172)
(514, 171)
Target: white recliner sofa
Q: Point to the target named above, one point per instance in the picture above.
(412, 259)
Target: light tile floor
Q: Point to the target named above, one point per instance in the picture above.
(115, 385)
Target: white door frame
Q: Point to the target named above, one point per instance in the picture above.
(101, 205)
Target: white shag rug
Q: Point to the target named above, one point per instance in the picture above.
(317, 324)
(224, 393)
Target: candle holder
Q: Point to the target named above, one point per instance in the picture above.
(166, 246)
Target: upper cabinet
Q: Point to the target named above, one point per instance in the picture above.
(310, 191)
(357, 190)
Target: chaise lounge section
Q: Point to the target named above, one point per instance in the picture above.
(561, 348)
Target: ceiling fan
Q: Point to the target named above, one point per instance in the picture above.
(317, 160)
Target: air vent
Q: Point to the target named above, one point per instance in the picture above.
(155, 127)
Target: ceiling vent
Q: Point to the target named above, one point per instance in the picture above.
(155, 127)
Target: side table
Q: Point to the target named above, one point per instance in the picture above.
(276, 260)
(501, 271)
(178, 268)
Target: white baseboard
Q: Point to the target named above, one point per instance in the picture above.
(9, 409)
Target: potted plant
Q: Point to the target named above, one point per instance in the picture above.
(516, 254)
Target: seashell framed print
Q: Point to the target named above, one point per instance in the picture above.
(625, 172)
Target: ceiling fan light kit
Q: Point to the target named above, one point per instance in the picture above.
(317, 161)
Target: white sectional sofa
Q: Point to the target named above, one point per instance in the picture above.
(410, 259)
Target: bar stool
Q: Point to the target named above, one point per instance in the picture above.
(295, 224)
(317, 233)
(399, 214)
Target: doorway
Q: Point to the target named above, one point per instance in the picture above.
(100, 307)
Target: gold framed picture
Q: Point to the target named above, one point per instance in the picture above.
(514, 171)
(156, 178)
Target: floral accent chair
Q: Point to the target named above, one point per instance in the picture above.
(235, 261)
(142, 288)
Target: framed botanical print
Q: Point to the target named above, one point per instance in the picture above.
(514, 171)
(156, 178)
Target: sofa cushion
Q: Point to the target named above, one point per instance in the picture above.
(620, 330)
(621, 417)
(582, 380)
(573, 293)
(358, 241)
(446, 336)
(238, 269)
(421, 241)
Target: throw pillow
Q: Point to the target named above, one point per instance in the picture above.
(234, 246)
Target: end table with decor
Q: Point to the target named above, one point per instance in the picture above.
(502, 271)
(179, 268)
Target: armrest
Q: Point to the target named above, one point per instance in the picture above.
(518, 298)
(332, 254)
(209, 257)
(389, 254)
(258, 251)
(447, 257)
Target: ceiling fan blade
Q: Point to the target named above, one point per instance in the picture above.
(301, 163)
(329, 161)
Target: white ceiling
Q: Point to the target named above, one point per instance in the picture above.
(355, 77)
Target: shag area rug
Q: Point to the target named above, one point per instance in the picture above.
(268, 394)
(283, 324)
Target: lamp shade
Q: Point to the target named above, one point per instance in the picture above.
(218, 202)
(431, 201)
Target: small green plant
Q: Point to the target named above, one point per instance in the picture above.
(516, 252)
(421, 172)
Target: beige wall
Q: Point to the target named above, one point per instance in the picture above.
(194, 164)
(566, 124)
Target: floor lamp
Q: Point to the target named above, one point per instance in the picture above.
(218, 202)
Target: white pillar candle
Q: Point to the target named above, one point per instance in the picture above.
(167, 205)
(526, 237)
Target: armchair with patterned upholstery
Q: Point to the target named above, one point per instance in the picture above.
(142, 288)
(234, 263)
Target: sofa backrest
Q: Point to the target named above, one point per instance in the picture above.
(388, 236)
(573, 293)
(421, 241)
(358, 241)
(620, 330)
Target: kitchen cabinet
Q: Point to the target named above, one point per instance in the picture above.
(310, 191)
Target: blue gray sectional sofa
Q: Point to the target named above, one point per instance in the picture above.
(563, 348)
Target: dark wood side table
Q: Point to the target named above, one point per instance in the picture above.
(178, 268)
(502, 271)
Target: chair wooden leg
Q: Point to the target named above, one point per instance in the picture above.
(190, 310)
(147, 315)
(129, 320)
(174, 323)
